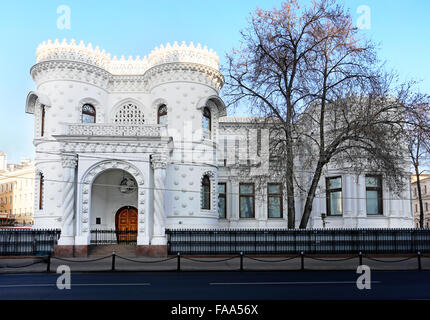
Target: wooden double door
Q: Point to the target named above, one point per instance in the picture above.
(126, 224)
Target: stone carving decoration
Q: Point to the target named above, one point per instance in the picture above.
(58, 60)
(129, 114)
(94, 56)
(128, 185)
(95, 170)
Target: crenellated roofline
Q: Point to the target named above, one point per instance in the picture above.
(71, 51)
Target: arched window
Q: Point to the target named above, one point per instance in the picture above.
(41, 183)
(206, 193)
(207, 123)
(162, 114)
(42, 122)
(88, 114)
(129, 114)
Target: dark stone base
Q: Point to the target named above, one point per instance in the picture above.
(151, 251)
(81, 251)
(64, 251)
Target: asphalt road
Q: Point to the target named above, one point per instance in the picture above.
(217, 286)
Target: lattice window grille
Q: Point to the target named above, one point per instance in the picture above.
(129, 114)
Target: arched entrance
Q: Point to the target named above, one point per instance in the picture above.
(126, 224)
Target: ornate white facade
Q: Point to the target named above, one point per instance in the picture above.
(81, 165)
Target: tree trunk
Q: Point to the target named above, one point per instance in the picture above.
(420, 197)
(311, 196)
(290, 190)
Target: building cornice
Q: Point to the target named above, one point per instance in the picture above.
(55, 70)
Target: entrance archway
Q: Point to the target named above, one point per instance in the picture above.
(126, 224)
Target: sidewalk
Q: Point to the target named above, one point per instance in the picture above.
(250, 263)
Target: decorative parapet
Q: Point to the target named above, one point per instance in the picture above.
(65, 51)
(115, 130)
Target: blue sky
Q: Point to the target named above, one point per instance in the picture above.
(135, 27)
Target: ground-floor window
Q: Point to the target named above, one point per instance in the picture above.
(274, 200)
(374, 195)
(334, 196)
(246, 200)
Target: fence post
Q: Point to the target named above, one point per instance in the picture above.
(48, 265)
(178, 266)
(113, 261)
(419, 261)
(241, 261)
(302, 259)
(34, 247)
(360, 258)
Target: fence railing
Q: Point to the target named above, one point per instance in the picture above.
(240, 262)
(312, 241)
(103, 237)
(28, 242)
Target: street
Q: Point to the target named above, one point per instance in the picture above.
(339, 285)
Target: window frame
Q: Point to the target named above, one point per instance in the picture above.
(161, 114)
(42, 123)
(247, 196)
(91, 114)
(380, 194)
(224, 196)
(208, 116)
(275, 195)
(203, 192)
(328, 193)
(41, 186)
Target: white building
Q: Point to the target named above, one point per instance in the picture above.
(131, 143)
(425, 193)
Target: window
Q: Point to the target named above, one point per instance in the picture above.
(373, 195)
(41, 182)
(416, 207)
(222, 163)
(206, 193)
(427, 206)
(274, 200)
(88, 114)
(42, 123)
(129, 114)
(162, 114)
(98, 220)
(259, 142)
(334, 196)
(425, 189)
(207, 123)
(275, 145)
(222, 200)
(246, 200)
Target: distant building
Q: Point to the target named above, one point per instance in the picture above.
(16, 192)
(425, 192)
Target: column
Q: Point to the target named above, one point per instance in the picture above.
(361, 202)
(67, 238)
(234, 201)
(159, 165)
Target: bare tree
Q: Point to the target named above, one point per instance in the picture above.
(417, 133)
(267, 70)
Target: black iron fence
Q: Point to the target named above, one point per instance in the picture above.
(28, 242)
(103, 237)
(312, 241)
